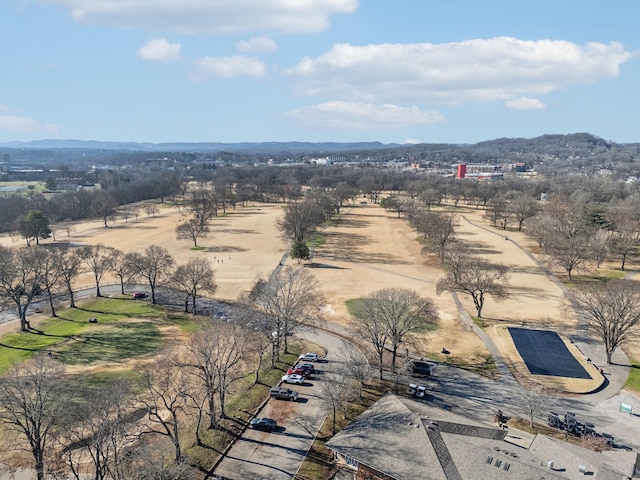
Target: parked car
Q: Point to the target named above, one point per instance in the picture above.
(307, 368)
(309, 357)
(264, 423)
(283, 393)
(138, 295)
(297, 379)
(296, 371)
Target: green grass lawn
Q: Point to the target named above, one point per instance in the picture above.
(352, 305)
(633, 382)
(480, 322)
(110, 343)
(106, 340)
(240, 407)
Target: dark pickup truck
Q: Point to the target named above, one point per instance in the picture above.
(283, 393)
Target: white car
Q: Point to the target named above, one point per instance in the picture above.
(309, 357)
(299, 379)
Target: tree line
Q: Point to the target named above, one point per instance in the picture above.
(577, 222)
(181, 391)
(29, 274)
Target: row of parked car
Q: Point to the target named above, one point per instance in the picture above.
(295, 375)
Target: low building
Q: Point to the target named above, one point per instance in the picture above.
(404, 439)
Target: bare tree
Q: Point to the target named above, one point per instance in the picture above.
(201, 349)
(299, 221)
(97, 428)
(155, 265)
(358, 367)
(401, 312)
(499, 213)
(611, 311)
(67, 261)
(286, 299)
(625, 222)
(260, 338)
(147, 464)
(438, 228)
(192, 229)
(216, 356)
(99, 259)
(150, 210)
(195, 276)
(523, 208)
(336, 395)
(229, 358)
(32, 399)
(570, 253)
(599, 244)
(203, 204)
(534, 400)
(394, 204)
(125, 268)
(126, 212)
(48, 274)
(165, 388)
(370, 325)
(430, 197)
(20, 283)
(103, 206)
(469, 274)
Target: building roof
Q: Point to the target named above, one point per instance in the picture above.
(391, 438)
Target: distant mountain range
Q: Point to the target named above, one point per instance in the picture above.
(501, 144)
(578, 152)
(200, 146)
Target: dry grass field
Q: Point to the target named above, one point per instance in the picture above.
(364, 249)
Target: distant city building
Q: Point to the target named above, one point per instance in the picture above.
(327, 160)
(482, 171)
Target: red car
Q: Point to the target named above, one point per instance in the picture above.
(295, 371)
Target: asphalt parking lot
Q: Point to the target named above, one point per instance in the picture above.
(278, 455)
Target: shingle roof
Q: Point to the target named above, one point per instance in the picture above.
(439, 445)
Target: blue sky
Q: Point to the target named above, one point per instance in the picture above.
(400, 71)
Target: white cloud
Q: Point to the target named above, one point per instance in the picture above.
(211, 16)
(412, 141)
(160, 50)
(227, 67)
(257, 45)
(499, 68)
(525, 103)
(361, 116)
(15, 123)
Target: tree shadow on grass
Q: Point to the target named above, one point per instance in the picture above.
(347, 247)
(237, 231)
(25, 349)
(104, 312)
(224, 249)
(35, 331)
(118, 342)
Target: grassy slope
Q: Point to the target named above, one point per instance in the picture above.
(117, 340)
